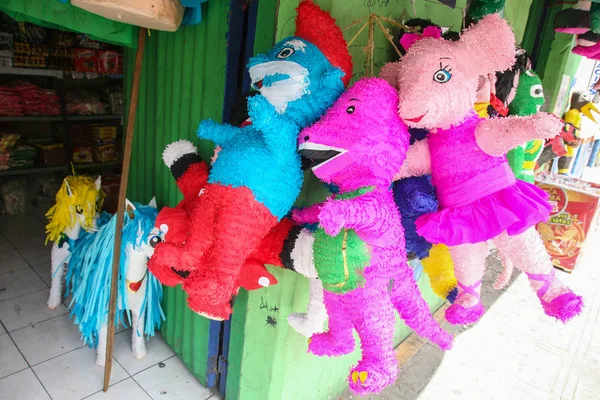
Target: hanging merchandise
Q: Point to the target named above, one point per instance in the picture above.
(575, 213)
(415, 196)
(528, 100)
(286, 246)
(78, 202)
(256, 177)
(162, 15)
(583, 20)
(569, 140)
(359, 249)
(480, 8)
(139, 292)
(478, 194)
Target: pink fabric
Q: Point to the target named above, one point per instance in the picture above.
(471, 210)
(495, 179)
(408, 39)
(591, 52)
(307, 215)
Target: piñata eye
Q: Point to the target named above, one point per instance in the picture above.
(442, 76)
(285, 53)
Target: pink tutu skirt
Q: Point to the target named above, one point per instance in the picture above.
(514, 209)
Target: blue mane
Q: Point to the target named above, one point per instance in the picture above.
(91, 273)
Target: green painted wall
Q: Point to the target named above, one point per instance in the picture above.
(271, 362)
(183, 82)
(516, 12)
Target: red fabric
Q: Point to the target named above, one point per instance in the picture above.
(319, 28)
(498, 105)
(558, 146)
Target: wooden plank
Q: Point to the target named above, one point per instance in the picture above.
(139, 56)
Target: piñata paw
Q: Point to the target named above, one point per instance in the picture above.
(564, 307)
(367, 378)
(456, 314)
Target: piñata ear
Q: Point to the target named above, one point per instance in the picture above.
(389, 73)
(98, 182)
(490, 46)
(69, 190)
(130, 208)
(153, 202)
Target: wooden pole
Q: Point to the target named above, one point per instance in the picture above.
(121, 204)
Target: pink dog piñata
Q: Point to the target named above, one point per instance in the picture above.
(359, 249)
(479, 196)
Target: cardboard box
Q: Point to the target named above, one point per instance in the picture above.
(86, 60)
(108, 62)
(573, 218)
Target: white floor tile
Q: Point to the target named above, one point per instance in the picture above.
(51, 338)
(18, 283)
(34, 252)
(125, 390)
(4, 244)
(2, 330)
(11, 260)
(172, 381)
(11, 360)
(75, 375)
(156, 347)
(19, 312)
(44, 271)
(22, 386)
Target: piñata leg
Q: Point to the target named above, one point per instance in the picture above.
(375, 324)
(413, 309)
(338, 339)
(469, 266)
(240, 223)
(528, 253)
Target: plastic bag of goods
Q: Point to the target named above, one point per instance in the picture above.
(162, 15)
(14, 197)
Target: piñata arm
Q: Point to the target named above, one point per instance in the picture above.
(364, 213)
(496, 136)
(417, 162)
(188, 169)
(307, 215)
(219, 134)
(279, 133)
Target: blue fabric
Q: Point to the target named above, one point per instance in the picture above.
(263, 156)
(77, 249)
(414, 197)
(192, 16)
(92, 274)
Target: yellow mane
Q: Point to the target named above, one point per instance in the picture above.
(85, 198)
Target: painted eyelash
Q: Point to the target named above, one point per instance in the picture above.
(444, 68)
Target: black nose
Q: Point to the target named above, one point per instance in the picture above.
(306, 138)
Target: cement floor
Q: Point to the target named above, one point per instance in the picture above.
(515, 352)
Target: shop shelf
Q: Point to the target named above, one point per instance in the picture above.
(83, 166)
(40, 169)
(32, 72)
(93, 117)
(31, 118)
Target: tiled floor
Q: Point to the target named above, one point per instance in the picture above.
(41, 354)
